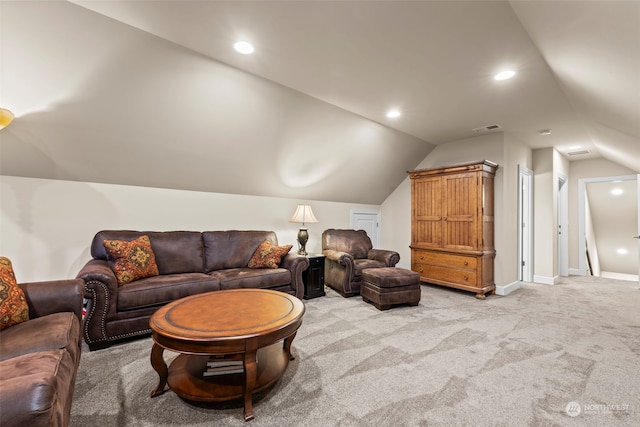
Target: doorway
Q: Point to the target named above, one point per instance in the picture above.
(609, 219)
(525, 224)
(368, 221)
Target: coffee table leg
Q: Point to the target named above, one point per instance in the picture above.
(158, 363)
(287, 345)
(250, 375)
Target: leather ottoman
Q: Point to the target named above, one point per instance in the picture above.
(389, 286)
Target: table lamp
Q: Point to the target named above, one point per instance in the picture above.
(303, 214)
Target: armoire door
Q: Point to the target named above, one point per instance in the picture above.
(460, 211)
(427, 212)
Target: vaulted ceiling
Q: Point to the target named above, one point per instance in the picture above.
(152, 92)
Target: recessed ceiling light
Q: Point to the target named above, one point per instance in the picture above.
(617, 191)
(243, 47)
(545, 132)
(622, 251)
(487, 128)
(392, 114)
(504, 75)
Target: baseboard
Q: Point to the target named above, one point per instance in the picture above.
(619, 276)
(545, 280)
(574, 272)
(507, 289)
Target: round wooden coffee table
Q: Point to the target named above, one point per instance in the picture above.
(238, 326)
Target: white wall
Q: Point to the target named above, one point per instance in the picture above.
(544, 223)
(516, 153)
(548, 165)
(46, 226)
(395, 214)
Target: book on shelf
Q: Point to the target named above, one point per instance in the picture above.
(223, 370)
(220, 365)
(221, 362)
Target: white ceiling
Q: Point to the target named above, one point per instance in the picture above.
(578, 62)
(151, 93)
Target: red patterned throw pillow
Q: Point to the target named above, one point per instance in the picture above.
(132, 260)
(13, 305)
(268, 256)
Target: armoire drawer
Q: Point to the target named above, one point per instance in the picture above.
(445, 260)
(445, 274)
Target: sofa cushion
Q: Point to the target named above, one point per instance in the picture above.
(51, 332)
(232, 249)
(131, 261)
(175, 251)
(268, 255)
(264, 278)
(363, 264)
(13, 305)
(178, 251)
(159, 290)
(37, 389)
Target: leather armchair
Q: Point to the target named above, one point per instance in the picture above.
(347, 253)
(39, 358)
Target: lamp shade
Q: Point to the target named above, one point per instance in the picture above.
(304, 214)
(6, 117)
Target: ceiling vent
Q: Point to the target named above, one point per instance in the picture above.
(487, 128)
(579, 153)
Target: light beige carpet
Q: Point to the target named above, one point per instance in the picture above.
(563, 355)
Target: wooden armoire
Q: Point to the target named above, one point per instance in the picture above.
(452, 226)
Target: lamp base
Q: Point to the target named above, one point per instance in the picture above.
(303, 237)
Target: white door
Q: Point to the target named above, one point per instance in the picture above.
(368, 221)
(563, 227)
(638, 233)
(525, 224)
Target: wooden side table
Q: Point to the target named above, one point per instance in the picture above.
(313, 277)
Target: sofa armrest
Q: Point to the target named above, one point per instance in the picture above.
(296, 265)
(390, 258)
(342, 258)
(55, 296)
(101, 290)
(100, 283)
(97, 273)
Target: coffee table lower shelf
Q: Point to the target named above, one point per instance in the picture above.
(186, 377)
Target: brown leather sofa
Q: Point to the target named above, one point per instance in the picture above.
(189, 263)
(347, 253)
(39, 357)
